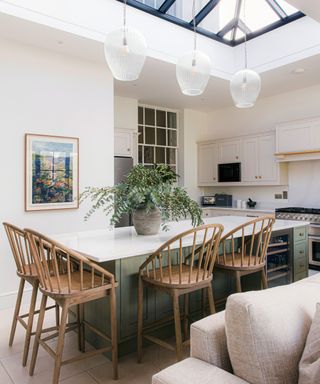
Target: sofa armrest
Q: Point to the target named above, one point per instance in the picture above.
(209, 341)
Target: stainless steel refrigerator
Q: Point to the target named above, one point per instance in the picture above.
(122, 166)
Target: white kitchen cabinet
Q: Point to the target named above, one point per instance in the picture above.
(298, 136)
(208, 164)
(268, 166)
(256, 153)
(250, 163)
(229, 151)
(123, 142)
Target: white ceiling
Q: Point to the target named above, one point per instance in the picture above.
(157, 84)
(309, 7)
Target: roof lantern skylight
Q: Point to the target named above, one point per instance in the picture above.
(222, 20)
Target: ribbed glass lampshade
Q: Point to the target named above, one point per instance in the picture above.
(193, 72)
(245, 87)
(125, 51)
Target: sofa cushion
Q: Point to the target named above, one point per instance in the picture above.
(309, 367)
(208, 341)
(194, 371)
(266, 332)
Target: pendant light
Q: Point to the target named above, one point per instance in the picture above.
(125, 51)
(245, 84)
(193, 68)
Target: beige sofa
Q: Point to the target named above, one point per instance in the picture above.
(258, 339)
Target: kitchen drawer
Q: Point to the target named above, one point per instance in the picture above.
(300, 276)
(300, 233)
(300, 250)
(300, 265)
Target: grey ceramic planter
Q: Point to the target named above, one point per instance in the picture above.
(146, 223)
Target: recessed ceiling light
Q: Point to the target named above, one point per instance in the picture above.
(298, 71)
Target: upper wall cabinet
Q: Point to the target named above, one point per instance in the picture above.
(255, 153)
(298, 138)
(123, 142)
(229, 151)
(208, 164)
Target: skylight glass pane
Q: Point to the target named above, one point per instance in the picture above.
(152, 3)
(258, 14)
(239, 34)
(182, 9)
(289, 9)
(219, 16)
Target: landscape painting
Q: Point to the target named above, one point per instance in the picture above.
(51, 172)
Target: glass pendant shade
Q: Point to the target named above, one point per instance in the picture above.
(193, 72)
(245, 87)
(125, 51)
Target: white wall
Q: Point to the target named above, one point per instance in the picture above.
(44, 92)
(125, 113)
(193, 128)
(304, 177)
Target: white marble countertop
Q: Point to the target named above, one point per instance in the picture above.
(260, 210)
(119, 243)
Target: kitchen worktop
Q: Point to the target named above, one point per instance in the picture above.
(258, 210)
(120, 243)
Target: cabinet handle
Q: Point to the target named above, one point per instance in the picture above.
(301, 234)
(214, 178)
(256, 177)
(128, 149)
(260, 177)
(301, 252)
(237, 157)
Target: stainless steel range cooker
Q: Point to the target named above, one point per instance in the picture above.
(313, 216)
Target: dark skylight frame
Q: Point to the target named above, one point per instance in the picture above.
(229, 33)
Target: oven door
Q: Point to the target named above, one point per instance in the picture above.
(314, 250)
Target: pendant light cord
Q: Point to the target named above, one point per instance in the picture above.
(124, 13)
(125, 42)
(194, 25)
(245, 35)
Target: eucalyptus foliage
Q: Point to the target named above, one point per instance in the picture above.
(144, 188)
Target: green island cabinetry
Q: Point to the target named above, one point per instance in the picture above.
(300, 253)
(287, 262)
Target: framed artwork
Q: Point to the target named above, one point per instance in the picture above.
(51, 172)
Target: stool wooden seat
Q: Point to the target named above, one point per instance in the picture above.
(173, 270)
(26, 270)
(76, 282)
(245, 253)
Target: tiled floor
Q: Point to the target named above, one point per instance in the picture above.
(89, 371)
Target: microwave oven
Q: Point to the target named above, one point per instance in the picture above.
(229, 172)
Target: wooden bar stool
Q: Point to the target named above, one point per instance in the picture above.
(26, 270)
(246, 254)
(172, 270)
(78, 282)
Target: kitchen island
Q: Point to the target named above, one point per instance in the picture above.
(122, 251)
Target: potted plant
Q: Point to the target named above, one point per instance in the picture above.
(150, 195)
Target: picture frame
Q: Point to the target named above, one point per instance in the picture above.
(51, 172)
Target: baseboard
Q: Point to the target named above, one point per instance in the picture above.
(8, 299)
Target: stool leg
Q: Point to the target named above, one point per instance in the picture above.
(186, 316)
(38, 334)
(57, 309)
(140, 319)
(60, 344)
(81, 330)
(211, 300)
(30, 322)
(177, 323)
(16, 311)
(114, 336)
(264, 279)
(238, 282)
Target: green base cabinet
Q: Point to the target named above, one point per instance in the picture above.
(300, 253)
